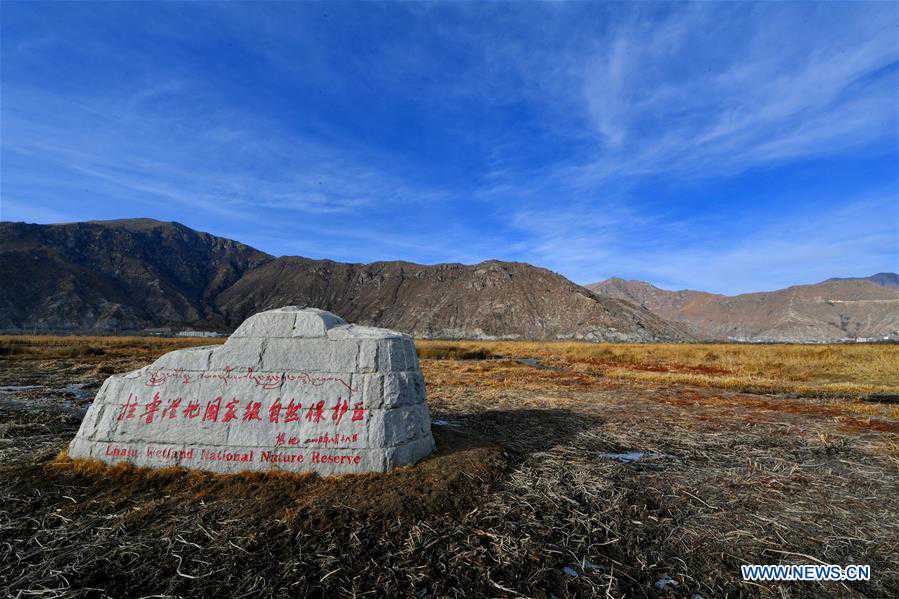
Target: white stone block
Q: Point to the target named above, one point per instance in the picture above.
(274, 323)
(195, 358)
(367, 358)
(313, 322)
(396, 426)
(310, 355)
(370, 389)
(293, 389)
(391, 355)
(289, 321)
(390, 390)
(401, 389)
(239, 354)
(411, 355)
(408, 453)
(354, 331)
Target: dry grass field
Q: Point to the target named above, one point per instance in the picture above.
(811, 370)
(838, 371)
(563, 470)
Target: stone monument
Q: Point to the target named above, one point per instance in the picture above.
(292, 389)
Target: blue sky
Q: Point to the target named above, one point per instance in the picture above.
(718, 146)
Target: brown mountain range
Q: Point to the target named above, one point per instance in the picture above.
(132, 275)
(833, 310)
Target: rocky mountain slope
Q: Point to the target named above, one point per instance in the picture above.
(835, 309)
(488, 300)
(139, 274)
(110, 275)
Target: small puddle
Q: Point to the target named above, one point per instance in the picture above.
(76, 389)
(666, 582)
(535, 363)
(41, 404)
(633, 456)
(13, 389)
(71, 398)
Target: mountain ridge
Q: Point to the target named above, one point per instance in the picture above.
(837, 309)
(139, 274)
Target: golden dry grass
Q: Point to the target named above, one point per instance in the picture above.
(812, 370)
(104, 355)
(59, 346)
(845, 371)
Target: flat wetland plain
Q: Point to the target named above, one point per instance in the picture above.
(563, 469)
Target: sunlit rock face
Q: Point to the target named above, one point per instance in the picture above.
(293, 389)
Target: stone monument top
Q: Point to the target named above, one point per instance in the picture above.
(295, 389)
(293, 321)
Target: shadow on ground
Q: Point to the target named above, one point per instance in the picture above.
(474, 452)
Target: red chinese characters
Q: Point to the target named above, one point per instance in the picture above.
(129, 408)
(274, 412)
(212, 409)
(315, 412)
(292, 414)
(339, 410)
(192, 410)
(151, 408)
(171, 410)
(252, 411)
(231, 410)
(234, 410)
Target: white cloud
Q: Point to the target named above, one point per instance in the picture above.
(218, 163)
(712, 91)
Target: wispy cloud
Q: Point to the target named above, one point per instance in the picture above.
(229, 166)
(710, 90)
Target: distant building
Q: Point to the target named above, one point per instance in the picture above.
(199, 334)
